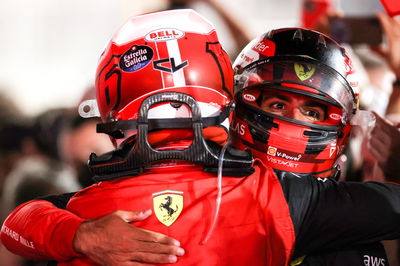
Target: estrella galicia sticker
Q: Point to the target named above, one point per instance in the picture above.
(136, 58)
(304, 71)
(168, 205)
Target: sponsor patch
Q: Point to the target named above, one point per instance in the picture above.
(264, 47)
(332, 149)
(167, 205)
(272, 150)
(247, 58)
(136, 58)
(335, 116)
(163, 35)
(304, 71)
(249, 97)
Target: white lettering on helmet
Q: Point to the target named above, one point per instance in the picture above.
(274, 152)
(335, 116)
(249, 97)
(163, 35)
(281, 162)
(260, 46)
(285, 156)
(238, 128)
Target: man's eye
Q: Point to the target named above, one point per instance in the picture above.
(277, 106)
(314, 114)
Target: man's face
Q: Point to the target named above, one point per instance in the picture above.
(286, 104)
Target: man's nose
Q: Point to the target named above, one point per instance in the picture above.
(296, 114)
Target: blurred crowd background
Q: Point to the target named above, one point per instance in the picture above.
(48, 57)
(49, 48)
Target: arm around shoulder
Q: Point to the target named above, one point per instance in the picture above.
(41, 231)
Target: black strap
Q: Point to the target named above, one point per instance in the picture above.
(135, 153)
(114, 128)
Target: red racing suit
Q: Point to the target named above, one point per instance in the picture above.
(263, 220)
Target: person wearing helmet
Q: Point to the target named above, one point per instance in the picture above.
(223, 207)
(164, 91)
(296, 102)
(296, 94)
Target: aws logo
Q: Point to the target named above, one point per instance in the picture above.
(374, 261)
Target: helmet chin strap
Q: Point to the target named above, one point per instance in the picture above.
(136, 153)
(334, 173)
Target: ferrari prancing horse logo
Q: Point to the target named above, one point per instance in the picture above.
(304, 71)
(167, 205)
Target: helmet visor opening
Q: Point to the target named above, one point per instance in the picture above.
(304, 75)
(292, 106)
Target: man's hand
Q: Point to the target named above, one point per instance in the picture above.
(384, 145)
(111, 240)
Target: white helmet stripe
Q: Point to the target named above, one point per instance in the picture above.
(175, 53)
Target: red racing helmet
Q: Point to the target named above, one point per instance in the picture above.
(168, 51)
(301, 62)
(162, 73)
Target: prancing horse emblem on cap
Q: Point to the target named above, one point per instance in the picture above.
(304, 71)
(167, 205)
